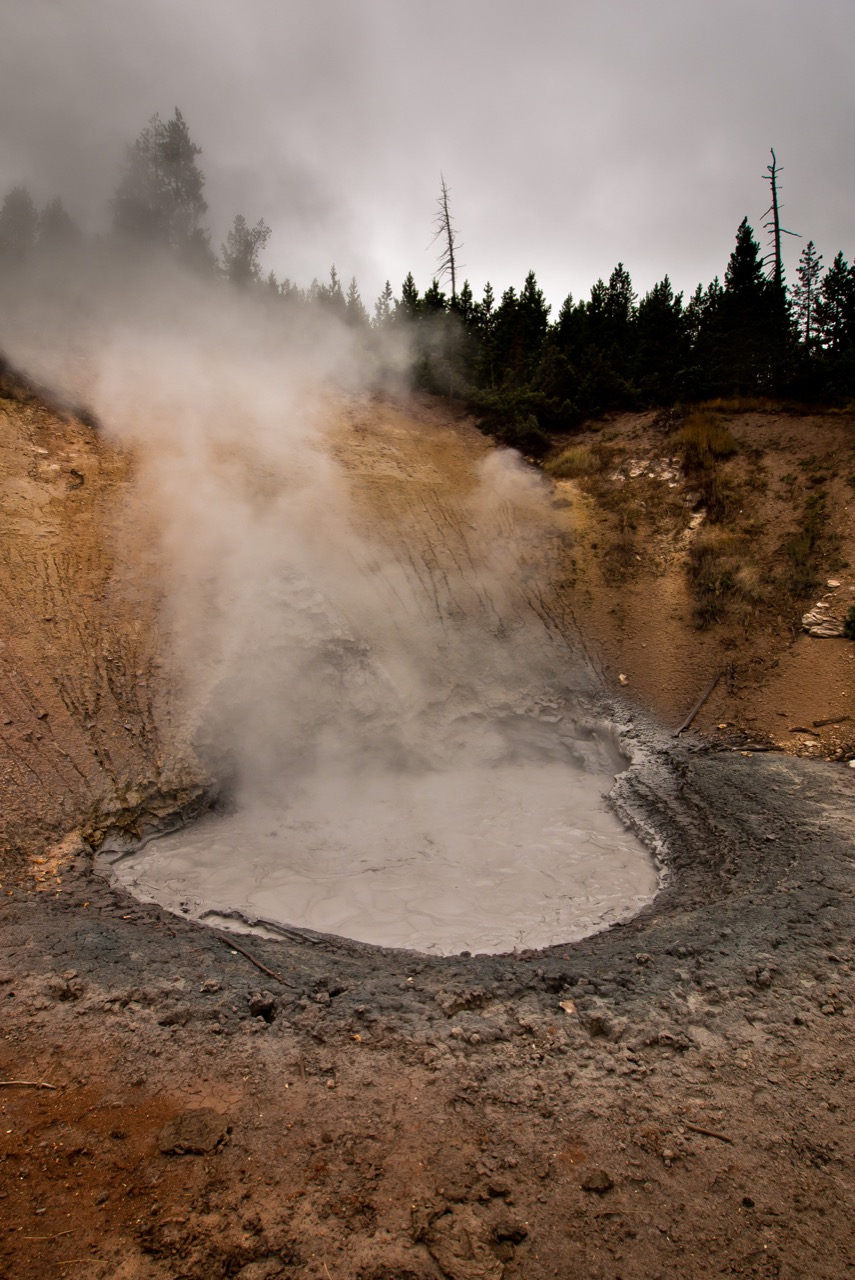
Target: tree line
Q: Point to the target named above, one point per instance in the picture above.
(528, 374)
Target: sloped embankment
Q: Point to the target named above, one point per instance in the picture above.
(86, 720)
(680, 569)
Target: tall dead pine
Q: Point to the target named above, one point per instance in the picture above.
(447, 236)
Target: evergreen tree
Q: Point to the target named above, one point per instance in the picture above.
(464, 305)
(434, 300)
(383, 307)
(159, 198)
(835, 318)
(661, 349)
(835, 307)
(355, 312)
(408, 307)
(242, 250)
(332, 295)
(753, 324)
(805, 293)
(485, 329)
(58, 232)
(19, 222)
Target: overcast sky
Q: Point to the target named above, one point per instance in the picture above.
(572, 133)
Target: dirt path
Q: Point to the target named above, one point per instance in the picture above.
(669, 1098)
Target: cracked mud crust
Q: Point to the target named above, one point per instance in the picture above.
(670, 1098)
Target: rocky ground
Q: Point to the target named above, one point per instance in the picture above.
(670, 1098)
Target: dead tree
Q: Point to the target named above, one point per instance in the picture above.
(773, 224)
(447, 236)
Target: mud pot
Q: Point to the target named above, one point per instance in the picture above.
(668, 1096)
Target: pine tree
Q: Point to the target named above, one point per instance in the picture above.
(485, 328)
(58, 232)
(464, 305)
(805, 293)
(835, 306)
(19, 222)
(434, 300)
(383, 307)
(159, 199)
(661, 347)
(332, 296)
(408, 307)
(242, 249)
(752, 324)
(835, 318)
(355, 312)
(446, 233)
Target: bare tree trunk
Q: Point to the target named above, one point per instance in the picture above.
(448, 236)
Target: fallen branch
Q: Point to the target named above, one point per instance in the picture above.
(700, 702)
(233, 946)
(26, 1084)
(55, 1236)
(820, 724)
(708, 1133)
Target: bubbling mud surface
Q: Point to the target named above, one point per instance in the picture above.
(520, 852)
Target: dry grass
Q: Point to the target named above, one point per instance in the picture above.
(704, 441)
(572, 463)
(722, 576)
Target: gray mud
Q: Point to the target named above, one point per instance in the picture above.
(758, 859)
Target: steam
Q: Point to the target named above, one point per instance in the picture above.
(330, 608)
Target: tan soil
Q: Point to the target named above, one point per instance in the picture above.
(660, 1102)
(633, 601)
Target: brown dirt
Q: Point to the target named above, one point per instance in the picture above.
(634, 603)
(671, 1098)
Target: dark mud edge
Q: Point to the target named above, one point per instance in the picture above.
(758, 875)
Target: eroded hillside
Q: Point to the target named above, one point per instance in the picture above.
(680, 570)
(87, 721)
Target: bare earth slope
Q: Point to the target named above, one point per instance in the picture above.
(669, 1098)
(86, 725)
(633, 528)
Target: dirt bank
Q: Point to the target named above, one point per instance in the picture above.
(676, 574)
(668, 1098)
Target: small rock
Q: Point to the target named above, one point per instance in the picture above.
(262, 1004)
(596, 1180)
(507, 1228)
(194, 1133)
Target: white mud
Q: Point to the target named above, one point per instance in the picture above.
(521, 851)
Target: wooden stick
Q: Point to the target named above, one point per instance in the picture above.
(233, 946)
(708, 1133)
(700, 702)
(55, 1236)
(26, 1084)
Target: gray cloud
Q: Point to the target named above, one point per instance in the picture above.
(572, 134)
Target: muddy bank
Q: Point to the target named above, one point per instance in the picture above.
(675, 1088)
(757, 861)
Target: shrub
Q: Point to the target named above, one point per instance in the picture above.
(574, 461)
(704, 441)
(849, 624)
